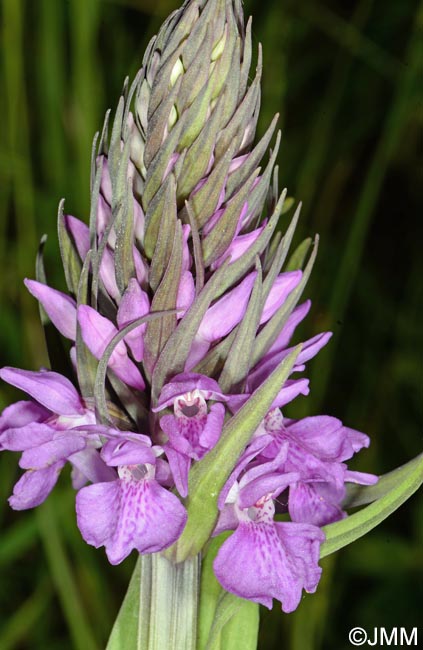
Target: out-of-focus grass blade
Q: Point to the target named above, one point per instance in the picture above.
(350, 262)
(86, 89)
(310, 172)
(19, 626)
(307, 625)
(62, 575)
(17, 539)
(349, 37)
(51, 75)
(16, 126)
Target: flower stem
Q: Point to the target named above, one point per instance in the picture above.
(160, 608)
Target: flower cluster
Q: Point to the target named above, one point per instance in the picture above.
(178, 313)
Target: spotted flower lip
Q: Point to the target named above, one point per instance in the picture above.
(264, 559)
(131, 511)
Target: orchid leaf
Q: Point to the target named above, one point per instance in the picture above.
(86, 362)
(237, 364)
(344, 532)
(360, 495)
(270, 331)
(158, 332)
(59, 360)
(71, 261)
(235, 625)
(297, 258)
(241, 174)
(280, 255)
(174, 355)
(225, 622)
(205, 199)
(217, 241)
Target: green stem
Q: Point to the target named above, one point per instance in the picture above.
(160, 608)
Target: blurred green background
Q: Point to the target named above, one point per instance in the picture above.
(344, 76)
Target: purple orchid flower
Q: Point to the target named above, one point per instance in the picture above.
(133, 510)
(265, 559)
(49, 434)
(317, 447)
(194, 428)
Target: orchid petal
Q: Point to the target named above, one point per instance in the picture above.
(281, 288)
(49, 389)
(34, 487)
(60, 308)
(124, 515)
(134, 304)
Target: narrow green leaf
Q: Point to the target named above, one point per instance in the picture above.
(196, 245)
(360, 495)
(158, 123)
(204, 200)
(128, 632)
(216, 242)
(208, 477)
(212, 364)
(175, 353)
(124, 256)
(198, 155)
(348, 530)
(270, 331)
(160, 228)
(234, 130)
(279, 255)
(225, 622)
(115, 141)
(57, 354)
(240, 175)
(86, 362)
(210, 591)
(260, 192)
(158, 332)
(157, 168)
(237, 363)
(297, 258)
(235, 625)
(71, 261)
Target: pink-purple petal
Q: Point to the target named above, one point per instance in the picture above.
(260, 562)
(281, 288)
(27, 436)
(126, 514)
(21, 413)
(60, 308)
(34, 487)
(50, 389)
(52, 451)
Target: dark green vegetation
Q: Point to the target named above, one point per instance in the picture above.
(344, 76)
